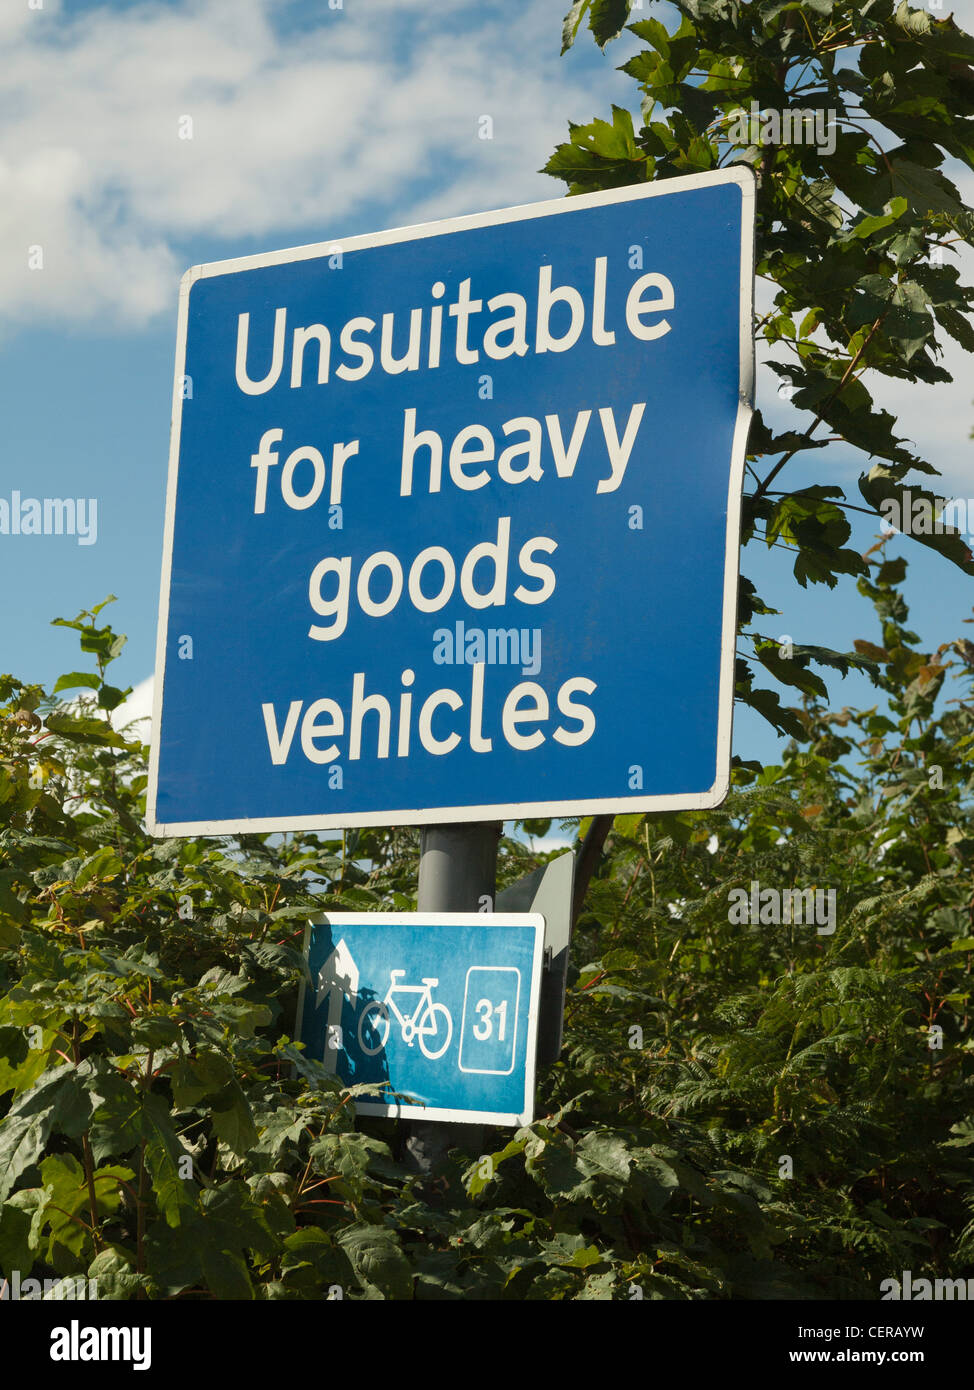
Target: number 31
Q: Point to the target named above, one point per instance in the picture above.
(485, 1027)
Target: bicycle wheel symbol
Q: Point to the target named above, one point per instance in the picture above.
(433, 1032)
(373, 1028)
(435, 1048)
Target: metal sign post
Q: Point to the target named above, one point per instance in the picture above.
(457, 873)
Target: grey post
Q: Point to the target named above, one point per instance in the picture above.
(457, 871)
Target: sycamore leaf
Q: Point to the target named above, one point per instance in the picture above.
(377, 1259)
(898, 503)
(75, 678)
(162, 1154)
(606, 20)
(925, 190)
(95, 731)
(571, 24)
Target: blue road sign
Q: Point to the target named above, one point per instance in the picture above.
(440, 1008)
(453, 519)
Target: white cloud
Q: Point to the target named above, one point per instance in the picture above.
(376, 104)
(136, 709)
(300, 134)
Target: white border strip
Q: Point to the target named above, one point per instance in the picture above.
(739, 174)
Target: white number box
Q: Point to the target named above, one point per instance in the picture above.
(488, 1031)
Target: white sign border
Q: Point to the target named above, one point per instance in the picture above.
(499, 920)
(743, 177)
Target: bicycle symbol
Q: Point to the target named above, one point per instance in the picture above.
(423, 1022)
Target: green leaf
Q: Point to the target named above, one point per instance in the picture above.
(959, 328)
(311, 1246)
(233, 1122)
(68, 1206)
(892, 498)
(103, 642)
(571, 23)
(94, 731)
(204, 1074)
(16, 1251)
(110, 696)
(116, 1121)
(174, 1193)
(767, 704)
(103, 864)
(59, 1101)
(377, 1259)
(22, 1141)
(604, 1155)
(606, 19)
(611, 141)
(226, 1273)
(570, 1251)
(115, 1279)
(13, 1045)
(942, 37)
(868, 225)
(75, 678)
(10, 903)
(925, 190)
(233, 1215)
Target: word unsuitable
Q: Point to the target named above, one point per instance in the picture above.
(509, 326)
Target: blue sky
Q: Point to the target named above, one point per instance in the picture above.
(309, 124)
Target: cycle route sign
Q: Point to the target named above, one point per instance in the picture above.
(438, 1009)
(453, 519)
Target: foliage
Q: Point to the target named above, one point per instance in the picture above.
(163, 1133)
(741, 1109)
(855, 245)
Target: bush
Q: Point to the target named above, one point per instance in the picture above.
(741, 1110)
